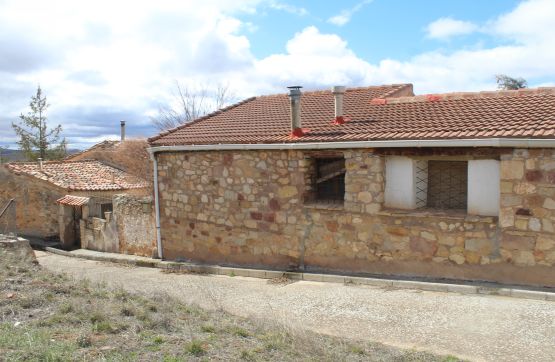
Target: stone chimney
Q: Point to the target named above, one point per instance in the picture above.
(295, 97)
(338, 92)
(122, 132)
(40, 163)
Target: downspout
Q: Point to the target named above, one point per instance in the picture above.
(157, 205)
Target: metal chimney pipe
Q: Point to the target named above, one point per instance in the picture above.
(122, 132)
(295, 97)
(338, 92)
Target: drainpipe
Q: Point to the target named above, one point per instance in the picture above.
(157, 205)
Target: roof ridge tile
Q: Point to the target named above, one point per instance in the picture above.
(474, 95)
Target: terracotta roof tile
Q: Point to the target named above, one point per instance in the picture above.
(522, 113)
(73, 200)
(86, 175)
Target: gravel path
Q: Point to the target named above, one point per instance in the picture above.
(476, 327)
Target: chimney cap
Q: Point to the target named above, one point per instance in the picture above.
(338, 89)
(122, 122)
(295, 91)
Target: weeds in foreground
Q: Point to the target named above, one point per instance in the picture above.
(195, 348)
(49, 317)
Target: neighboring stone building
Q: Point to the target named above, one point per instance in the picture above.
(451, 186)
(37, 186)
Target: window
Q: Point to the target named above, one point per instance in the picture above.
(443, 185)
(106, 207)
(447, 184)
(328, 180)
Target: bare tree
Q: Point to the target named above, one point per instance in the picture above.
(192, 103)
(507, 83)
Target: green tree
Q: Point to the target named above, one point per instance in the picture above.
(35, 139)
(507, 83)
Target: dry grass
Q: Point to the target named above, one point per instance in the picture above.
(48, 317)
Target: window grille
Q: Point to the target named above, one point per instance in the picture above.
(447, 184)
(421, 182)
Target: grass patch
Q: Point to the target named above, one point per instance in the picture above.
(195, 348)
(206, 328)
(51, 317)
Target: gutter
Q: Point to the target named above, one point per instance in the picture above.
(477, 142)
(157, 205)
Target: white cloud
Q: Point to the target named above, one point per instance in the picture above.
(313, 59)
(530, 22)
(445, 28)
(119, 59)
(345, 15)
(278, 5)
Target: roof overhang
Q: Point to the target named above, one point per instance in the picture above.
(71, 200)
(479, 142)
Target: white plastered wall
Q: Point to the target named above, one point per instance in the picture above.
(400, 190)
(483, 187)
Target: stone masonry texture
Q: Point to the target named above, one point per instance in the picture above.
(254, 208)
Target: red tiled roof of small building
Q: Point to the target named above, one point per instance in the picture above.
(525, 113)
(72, 200)
(86, 175)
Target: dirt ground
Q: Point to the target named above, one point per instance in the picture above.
(476, 327)
(50, 316)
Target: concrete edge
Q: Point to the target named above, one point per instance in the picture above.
(315, 277)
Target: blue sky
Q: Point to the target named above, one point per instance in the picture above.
(380, 28)
(103, 61)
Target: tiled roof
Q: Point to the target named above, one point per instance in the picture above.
(526, 113)
(87, 175)
(73, 200)
(266, 118)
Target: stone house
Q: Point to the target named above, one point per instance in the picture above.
(366, 180)
(49, 196)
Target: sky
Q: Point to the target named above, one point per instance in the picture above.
(99, 62)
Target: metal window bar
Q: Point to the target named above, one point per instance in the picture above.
(447, 184)
(8, 221)
(330, 179)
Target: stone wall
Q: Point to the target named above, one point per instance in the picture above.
(99, 234)
(527, 214)
(16, 248)
(136, 226)
(36, 208)
(129, 229)
(253, 208)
